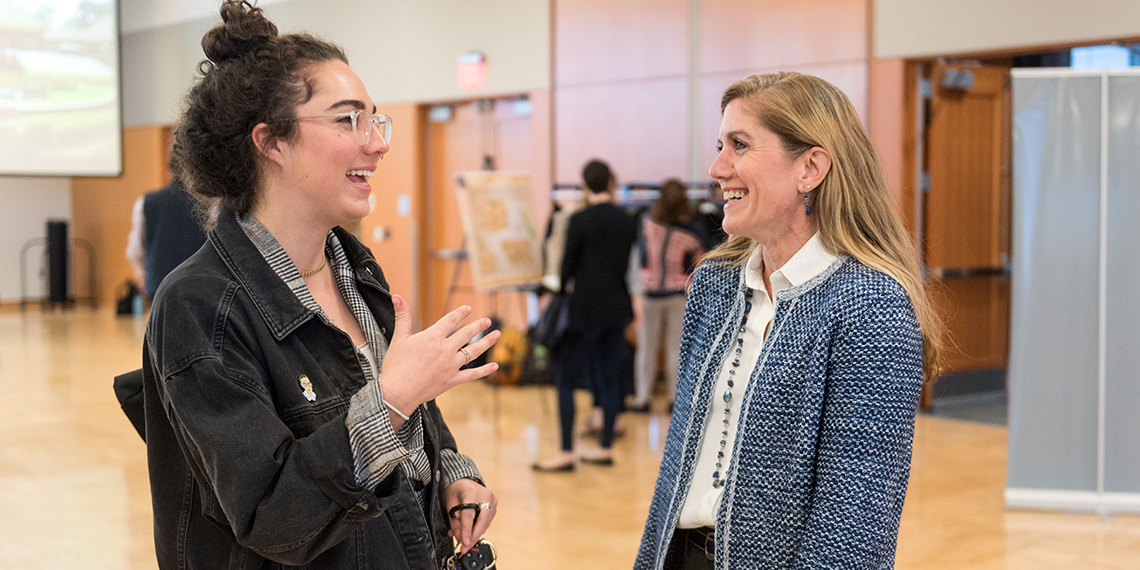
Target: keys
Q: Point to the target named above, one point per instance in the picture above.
(480, 557)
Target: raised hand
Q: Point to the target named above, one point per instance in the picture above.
(419, 367)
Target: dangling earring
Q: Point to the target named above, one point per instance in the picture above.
(807, 204)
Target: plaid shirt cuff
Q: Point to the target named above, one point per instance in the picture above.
(377, 449)
(456, 466)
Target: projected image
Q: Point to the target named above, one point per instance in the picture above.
(59, 87)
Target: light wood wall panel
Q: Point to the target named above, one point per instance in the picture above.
(101, 209)
(743, 36)
(639, 128)
(890, 122)
(541, 154)
(738, 38)
(392, 237)
(633, 86)
(850, 77)
(967, 155)
(975, 311)
(516, 141)
(604, 41)
(458, 144)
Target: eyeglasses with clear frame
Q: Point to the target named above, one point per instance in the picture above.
(380, 123)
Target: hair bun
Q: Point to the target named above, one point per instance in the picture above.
(244, 28)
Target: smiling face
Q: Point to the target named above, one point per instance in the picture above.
(325, 166)
(761, 183)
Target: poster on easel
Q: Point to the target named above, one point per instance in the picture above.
(503, 244)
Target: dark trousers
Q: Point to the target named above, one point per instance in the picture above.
(599, 352)
(690, 549)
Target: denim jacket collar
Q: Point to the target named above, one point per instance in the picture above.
(278, 306)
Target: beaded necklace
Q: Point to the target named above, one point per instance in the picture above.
(718, 482)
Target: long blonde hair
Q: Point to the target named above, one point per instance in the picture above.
(855, 214)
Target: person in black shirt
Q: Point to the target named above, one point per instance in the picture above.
(594, 266)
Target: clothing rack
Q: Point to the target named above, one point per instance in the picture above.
(633, 192)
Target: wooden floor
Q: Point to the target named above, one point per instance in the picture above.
(74, 493)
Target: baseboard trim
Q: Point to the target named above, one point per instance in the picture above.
(1072, 500)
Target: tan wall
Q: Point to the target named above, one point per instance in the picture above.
(29, 203)
(931, 28)
(409, 56)
(101, 208)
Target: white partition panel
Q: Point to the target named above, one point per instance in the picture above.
(1054, 295)
(1075, 306)
(1122, 395)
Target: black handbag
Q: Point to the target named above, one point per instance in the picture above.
(554, 322)
(129, 391)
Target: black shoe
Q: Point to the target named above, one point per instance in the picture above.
(595, 433)
(564, 468)
(642, 409)
(606, 461)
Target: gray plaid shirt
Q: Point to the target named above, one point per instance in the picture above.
(377, 449)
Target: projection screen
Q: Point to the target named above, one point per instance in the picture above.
(59, 88)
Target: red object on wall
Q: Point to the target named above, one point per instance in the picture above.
(472, 70)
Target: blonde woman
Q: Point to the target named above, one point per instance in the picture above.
(807, 338)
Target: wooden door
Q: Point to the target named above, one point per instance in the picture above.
(475, 135)
(967, 211)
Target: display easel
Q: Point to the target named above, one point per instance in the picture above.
(501, 241)
(461, 255)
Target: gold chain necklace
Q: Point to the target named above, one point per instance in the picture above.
(313, 272)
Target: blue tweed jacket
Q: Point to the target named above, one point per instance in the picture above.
(820, 466)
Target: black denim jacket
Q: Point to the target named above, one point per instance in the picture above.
(245, 471)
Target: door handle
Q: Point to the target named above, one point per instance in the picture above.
(963, 272)
(450, 253)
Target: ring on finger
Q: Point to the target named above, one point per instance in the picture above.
(486, 506)
(466, 355)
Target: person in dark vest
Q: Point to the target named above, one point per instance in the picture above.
(164, 232)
